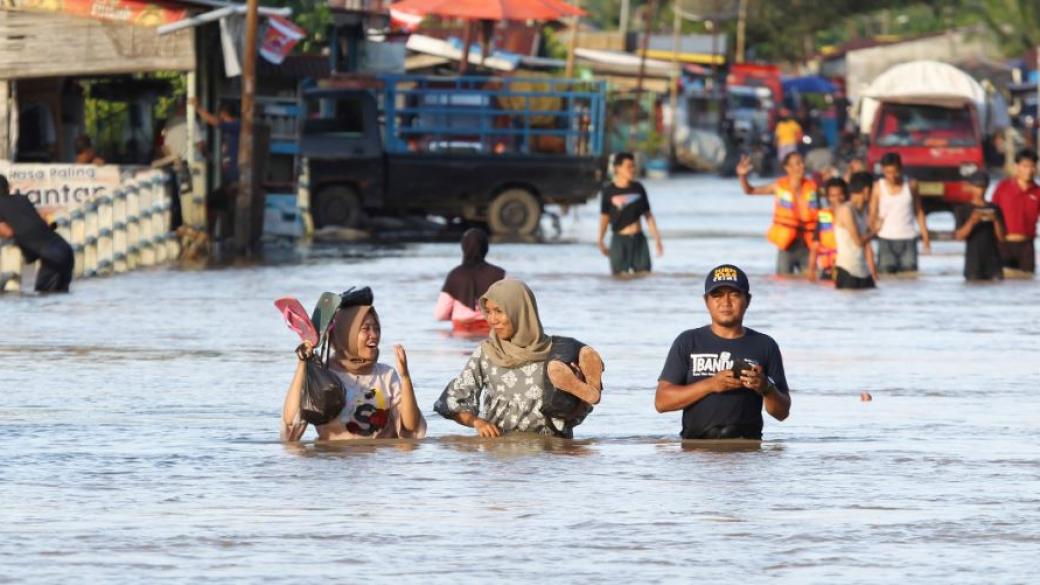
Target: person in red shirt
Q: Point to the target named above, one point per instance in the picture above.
(1018, 198)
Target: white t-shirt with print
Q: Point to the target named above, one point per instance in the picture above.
(373, 403)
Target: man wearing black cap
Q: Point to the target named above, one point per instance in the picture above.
(722, 374)
(981, 226)
(20, 220)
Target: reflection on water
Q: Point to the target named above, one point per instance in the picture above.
(139, 422)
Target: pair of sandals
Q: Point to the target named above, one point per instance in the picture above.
(575, 373)
(584, 381)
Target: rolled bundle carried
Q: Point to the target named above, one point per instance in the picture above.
(575, 373)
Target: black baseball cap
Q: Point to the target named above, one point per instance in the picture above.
(726, 275)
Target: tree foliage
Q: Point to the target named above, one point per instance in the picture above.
(314, 16)
(791, 30)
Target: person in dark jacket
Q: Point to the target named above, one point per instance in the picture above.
(20, 221)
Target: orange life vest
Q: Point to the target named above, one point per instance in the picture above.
(827, 244)
(794, 214)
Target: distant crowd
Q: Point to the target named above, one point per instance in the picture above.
(850, 227)
(825, 231)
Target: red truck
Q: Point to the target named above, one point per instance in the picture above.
(931, 114)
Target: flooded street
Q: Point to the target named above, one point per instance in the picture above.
(139, 423)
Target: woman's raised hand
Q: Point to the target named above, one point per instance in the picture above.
(402, 361)
(745, 166)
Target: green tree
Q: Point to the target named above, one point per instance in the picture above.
(1016, 23)
(314, 16)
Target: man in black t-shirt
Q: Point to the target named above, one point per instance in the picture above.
(20, 220)
(721, 375)
(623, 205)
(981, 226)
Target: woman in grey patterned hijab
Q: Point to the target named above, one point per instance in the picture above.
(502, 386)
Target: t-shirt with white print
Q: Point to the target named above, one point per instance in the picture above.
(698, 354)
(373, 404)
(624, 205)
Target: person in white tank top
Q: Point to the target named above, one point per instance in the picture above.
(894, 206)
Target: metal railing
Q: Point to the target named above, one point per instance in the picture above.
(487, 111)
(111, 234)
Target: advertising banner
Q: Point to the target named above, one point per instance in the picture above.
(56, 187)
(136, 12)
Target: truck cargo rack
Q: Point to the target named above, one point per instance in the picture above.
(493, 115)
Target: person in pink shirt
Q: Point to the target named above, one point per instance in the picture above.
(466, 283)
(380, 400)
(1018, 198)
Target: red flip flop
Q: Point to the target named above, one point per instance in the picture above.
(297, 319)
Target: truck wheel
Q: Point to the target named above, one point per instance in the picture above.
(514, 212)
(338, 205)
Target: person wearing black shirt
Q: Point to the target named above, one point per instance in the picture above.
(220, 203)
(981, 226)
(623, 205)
(20, 220)
(721, 375)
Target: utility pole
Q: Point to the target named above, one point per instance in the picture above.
(673, 94)
(710, 26)
(244, 199)
(467, 40)
(623, 20)
(1036, 118)
(741, 30)
(648, 17)
(573, 43)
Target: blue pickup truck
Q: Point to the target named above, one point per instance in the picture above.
(485, 149)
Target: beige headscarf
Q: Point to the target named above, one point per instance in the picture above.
(529, 343)
(345, 328)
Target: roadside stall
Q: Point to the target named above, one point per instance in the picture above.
(84, 87)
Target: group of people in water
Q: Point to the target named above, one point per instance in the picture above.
(522, 380)
(827, 228)
(827, 232)
(721, 375)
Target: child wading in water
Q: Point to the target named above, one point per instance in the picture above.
(380, 401)
(855, 267)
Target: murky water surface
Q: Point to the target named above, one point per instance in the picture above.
(138, 419)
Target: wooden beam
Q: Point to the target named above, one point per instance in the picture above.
(245, 239)
(5, 120)
(52, 45)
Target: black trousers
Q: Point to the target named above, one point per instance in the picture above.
(739, 431)
(56, 263)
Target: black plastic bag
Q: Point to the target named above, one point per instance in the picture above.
(322, 397)
(353, 297)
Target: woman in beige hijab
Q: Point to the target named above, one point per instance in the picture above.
(503, 386)
(380, 400)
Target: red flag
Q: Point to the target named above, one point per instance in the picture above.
(281, 36)
(405, 21)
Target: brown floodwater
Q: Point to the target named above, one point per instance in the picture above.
(139, 415)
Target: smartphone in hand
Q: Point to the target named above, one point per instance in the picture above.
(740, 365)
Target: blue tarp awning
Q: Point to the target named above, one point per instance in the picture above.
(808, 84)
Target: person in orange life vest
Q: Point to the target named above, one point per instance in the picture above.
(795, 207)
(894, 206)
(822, 255)
(466, 283)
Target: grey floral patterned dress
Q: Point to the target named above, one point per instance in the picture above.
(510, 398)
